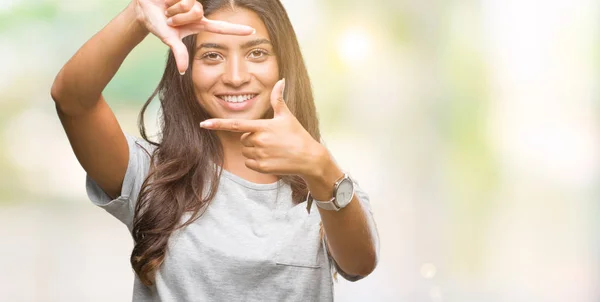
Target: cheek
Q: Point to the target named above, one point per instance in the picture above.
(267, 73)
(204, 78)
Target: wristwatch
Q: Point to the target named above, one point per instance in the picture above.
(343, 191)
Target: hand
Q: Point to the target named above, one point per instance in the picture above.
(185, 17)
(279, 145)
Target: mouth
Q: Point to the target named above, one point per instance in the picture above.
(240, 98)
(236, 102)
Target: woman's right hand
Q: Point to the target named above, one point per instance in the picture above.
(173, 20)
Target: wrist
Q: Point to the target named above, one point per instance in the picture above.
(135, 21)
(316, 160)
(322, 175)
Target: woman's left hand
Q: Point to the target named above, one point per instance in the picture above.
(279, 145)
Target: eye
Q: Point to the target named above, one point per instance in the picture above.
(212, 56)
(258, 53)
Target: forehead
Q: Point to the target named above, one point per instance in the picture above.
(239, 16)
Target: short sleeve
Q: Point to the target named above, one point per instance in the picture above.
(363, 198)
(123, 206)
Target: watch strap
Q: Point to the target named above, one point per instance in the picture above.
(327, 204)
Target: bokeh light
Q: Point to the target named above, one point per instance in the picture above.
(354, 46)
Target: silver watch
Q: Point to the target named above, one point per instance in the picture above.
(343, 191)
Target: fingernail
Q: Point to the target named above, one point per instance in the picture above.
(253, 31)
(206, 124)
(166, 13)
(170, 21)
(182, 72)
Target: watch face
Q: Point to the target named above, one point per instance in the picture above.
(344, 192)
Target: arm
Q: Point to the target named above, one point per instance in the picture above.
(282, 146)
(351, 240)
(91, 127)
(79, 84)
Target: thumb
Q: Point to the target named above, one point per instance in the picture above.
(180, 53)
(277, 100)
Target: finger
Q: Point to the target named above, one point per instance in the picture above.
(250, 152)
(179, 7)
(255, 139)
(180, 53)
(170, 3)
(245, 139)
(252, 164)
(226, 28)
(257, 166)
(233, 125)
(277, 101)
(194, 15)
(189, 29)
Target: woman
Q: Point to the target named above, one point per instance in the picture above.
(238, 200)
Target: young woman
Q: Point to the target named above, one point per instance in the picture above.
(237, 200)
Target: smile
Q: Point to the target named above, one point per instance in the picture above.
(236, 98)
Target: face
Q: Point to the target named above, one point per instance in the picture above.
(233, 75)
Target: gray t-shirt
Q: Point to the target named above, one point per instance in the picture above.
(251, 244)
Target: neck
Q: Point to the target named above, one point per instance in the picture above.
(234, 161)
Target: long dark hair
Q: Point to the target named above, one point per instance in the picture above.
(185, 157)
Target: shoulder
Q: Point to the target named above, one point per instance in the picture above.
(141, 145)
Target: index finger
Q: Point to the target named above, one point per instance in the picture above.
(226, 28)
(233, 125)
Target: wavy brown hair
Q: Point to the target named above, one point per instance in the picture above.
(182, 163)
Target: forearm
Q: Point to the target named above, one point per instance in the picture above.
(80, 82)
(350, 232)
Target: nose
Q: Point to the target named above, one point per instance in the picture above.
(236, 72)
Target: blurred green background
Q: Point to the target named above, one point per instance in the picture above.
(474, 126)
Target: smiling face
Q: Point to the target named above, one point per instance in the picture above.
(233, 75)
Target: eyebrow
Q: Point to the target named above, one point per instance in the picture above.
(248, 44)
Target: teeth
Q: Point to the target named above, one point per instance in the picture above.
(237, 98)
